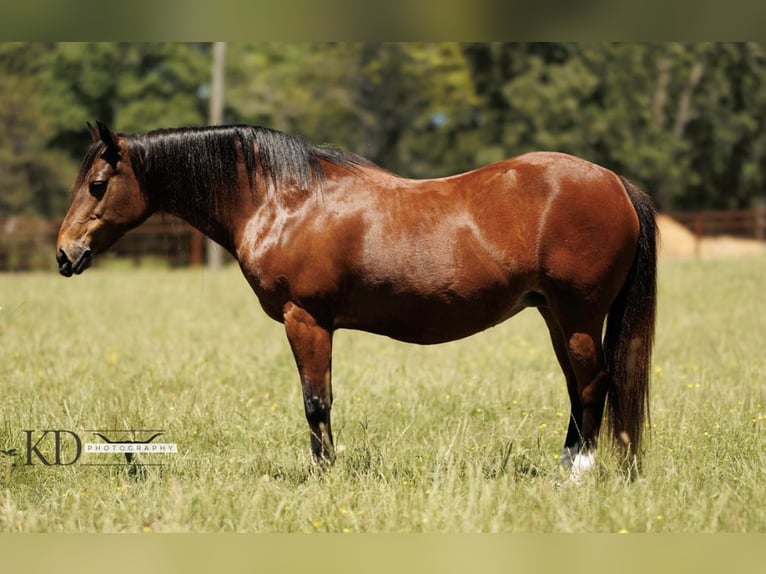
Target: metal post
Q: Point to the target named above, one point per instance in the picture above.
(215, 116)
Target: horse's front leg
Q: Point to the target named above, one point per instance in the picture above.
(312, 348)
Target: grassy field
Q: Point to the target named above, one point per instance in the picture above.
(462, 437)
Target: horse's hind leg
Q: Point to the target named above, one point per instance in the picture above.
(312, 348)
(573, 438)
(578, 339)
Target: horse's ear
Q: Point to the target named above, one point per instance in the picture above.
(112, 151)
(93, 132)
(106, 135)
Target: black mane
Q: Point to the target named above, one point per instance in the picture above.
(183, 165)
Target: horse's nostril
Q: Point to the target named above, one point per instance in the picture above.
(61, 257)
(65, 266)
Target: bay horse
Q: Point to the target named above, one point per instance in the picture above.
(328, 240)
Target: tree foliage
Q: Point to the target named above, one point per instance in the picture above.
(30, 169)
(684, 121)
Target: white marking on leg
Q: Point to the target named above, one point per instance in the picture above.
(583, 464)
(585, 461)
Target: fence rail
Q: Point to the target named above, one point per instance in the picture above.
(28, 243)
(744, 223)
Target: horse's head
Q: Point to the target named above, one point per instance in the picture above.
(107, 201)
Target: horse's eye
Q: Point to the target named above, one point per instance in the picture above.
(97, 188)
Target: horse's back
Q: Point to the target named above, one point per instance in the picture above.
(455, 255)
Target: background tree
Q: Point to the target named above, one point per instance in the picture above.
(726, 136)
(31, 174)
(685, 121)
(397, 104)
(131, 87)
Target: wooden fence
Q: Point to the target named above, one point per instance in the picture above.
(744, 224)
(29, 244)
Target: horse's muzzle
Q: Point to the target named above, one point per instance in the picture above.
(67, 267)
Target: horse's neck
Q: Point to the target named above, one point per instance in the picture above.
(213, 228)
(206, 185)
(220, 223)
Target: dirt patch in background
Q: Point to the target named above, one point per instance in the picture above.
(678, 242)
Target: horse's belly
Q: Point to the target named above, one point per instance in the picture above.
(428, 320)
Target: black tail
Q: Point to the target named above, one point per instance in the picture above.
(630, 334)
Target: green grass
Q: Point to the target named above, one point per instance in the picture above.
(461, 437)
